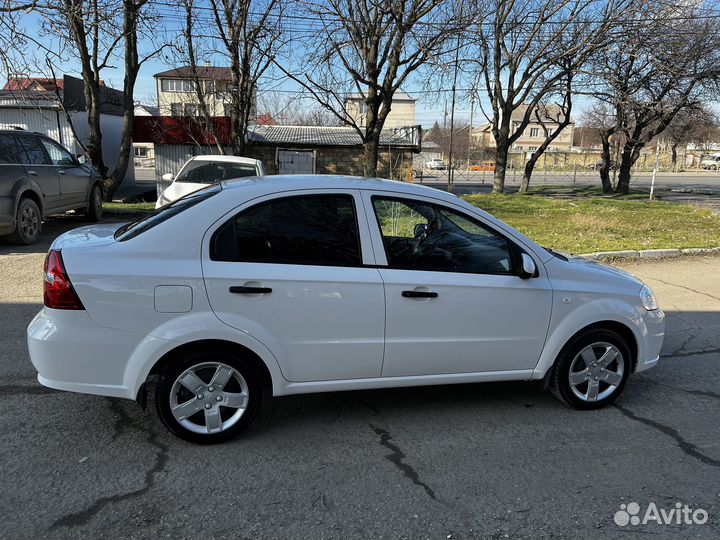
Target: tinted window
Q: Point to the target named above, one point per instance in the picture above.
(133, 229)
(424, 236)
(58, 155)
(9, 152)
(34, 153)
(210, 172)
(308, 229)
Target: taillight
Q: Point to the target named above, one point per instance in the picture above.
(58, 291)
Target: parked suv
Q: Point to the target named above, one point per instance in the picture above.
(39, 177)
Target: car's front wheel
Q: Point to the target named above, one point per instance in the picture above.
(208, 396)
(592, 369)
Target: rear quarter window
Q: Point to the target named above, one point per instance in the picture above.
(9, 152)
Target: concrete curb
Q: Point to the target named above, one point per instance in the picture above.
(648, 254)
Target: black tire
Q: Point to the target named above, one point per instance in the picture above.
(28, 223)
(560, 384)
(166, 388)
(94, 209)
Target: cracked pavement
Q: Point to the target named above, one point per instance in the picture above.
(480, 460)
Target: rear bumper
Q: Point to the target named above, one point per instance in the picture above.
(71, 352)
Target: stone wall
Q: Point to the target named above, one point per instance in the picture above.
(393, 164)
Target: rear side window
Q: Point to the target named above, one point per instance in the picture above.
(307, 229)
(9, 152)
(135, 228)
(34, 153)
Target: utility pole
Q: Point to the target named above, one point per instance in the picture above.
(451, 169)
(472, 107)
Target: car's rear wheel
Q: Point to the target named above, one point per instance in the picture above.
(208, 396)
(592, 369)
(28, 222)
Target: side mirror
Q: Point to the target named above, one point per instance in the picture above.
(420, 230)
(82, 160)
(527, 267)
(167, 177)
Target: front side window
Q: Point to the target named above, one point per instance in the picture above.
(33, 151)
(425, 236)
(58, 155)
(306, 229)
(210, 172)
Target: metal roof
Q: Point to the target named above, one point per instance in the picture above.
(330, 136)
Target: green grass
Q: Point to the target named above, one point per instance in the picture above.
(587, 224)
(129, 209)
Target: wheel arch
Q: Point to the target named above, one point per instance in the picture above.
(620, 328)
(28, 192)
(222, 344)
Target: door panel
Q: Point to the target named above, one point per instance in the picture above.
(322, 323)
(475, 323)
(295, 263)
(40, 171)
(454, 303)
(74, 179)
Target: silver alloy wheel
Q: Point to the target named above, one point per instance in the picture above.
(29, 222)
(217, 390)
(596, 371)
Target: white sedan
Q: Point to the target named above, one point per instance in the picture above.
(300, 284)
(201, 171)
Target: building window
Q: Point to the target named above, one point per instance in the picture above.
(532, 148)
(141, 151)
(534, 132)
(191, 109)
(176, 109)
(176, 85)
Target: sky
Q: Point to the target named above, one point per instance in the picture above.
(430, 107)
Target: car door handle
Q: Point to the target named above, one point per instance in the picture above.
(419, 294)
(32, 173)
(241, 289)
(61, 172)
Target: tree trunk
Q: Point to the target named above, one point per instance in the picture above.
(527, 173)
(501, 162)
(370, 155)
(132, 67)
(630, 153)
(605, 167)
(673, 155)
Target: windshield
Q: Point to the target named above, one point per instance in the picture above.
(134, 228)
(211, 172)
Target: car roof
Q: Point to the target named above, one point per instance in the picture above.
(289, 182)
(230, 159)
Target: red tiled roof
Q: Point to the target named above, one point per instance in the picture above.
(38, 84)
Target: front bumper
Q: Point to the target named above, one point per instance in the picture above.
(652, 340)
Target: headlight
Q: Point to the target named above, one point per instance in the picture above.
(648, 299)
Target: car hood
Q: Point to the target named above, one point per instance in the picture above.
(594, 269)
(91, 235)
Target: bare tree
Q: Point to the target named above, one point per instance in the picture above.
(370, 49)
(667, 62)
(294, 110)
(553, 118)
(524, 52)
(251, 36)
(696, 125)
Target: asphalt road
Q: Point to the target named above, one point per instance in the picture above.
(481, 460)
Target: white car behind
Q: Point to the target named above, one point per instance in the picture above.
(201, 171)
